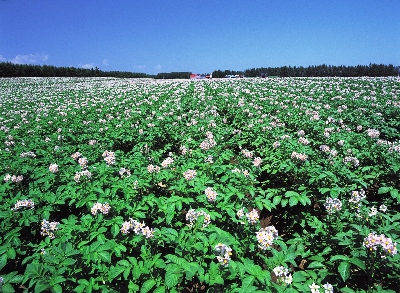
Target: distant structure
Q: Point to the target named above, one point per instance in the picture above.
(234, 76)
(200, 76)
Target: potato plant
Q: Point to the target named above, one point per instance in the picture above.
(250, 185)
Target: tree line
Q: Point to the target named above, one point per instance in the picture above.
(372, 70)
(173, 75)
(8, 69)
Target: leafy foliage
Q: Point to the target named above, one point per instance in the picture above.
(250, 185)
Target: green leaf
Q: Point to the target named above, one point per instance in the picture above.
(395, 193)
(248, 281)
(172, 276)
(146, 287)
(259, 204)
(276, 200)
(317, 258)
(315, 265)
(105, 256)
(41, 286)
(324, 190)
(339, 257)
(115, 230)
(68, 261)
(291, 193)
(80, 288)
(384, 189)
(116, 271)
(57, 288)
(57, 279)
(133, 287)
(11, 253)
(7, 288)
(170, 213)
(344, 270)
(127, 271)
(136, 272)
(175, 259)
(160, 289)
(347, 290)
(16, 279)
(293, 201)
(299, 276)
(358, 262)
(3, 261)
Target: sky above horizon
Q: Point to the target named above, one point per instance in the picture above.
(153, 36)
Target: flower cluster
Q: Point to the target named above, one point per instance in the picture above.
(325, 148)
(352, 160)
(153, 169)
(138, 228)
(76, 155)
(124, 173)
(314, 288)
(192, 217)
(373, 212)
(373, 133)
(304, 141)
(85, 174)
(184, 150)
(92, 142)
(103, 208)
(211, 194)
(223, 254)
(209, 142)
(48, 228)
(333, 205)
(283, 275)
(189, 174)
(247, 154)
(168, 161)
(276, 144)
(257, 162)
(53, 168)
(240, 213)
(301, 133)
(109, 157)
(357, 196)
(373, 241)
(383, 208)
(83, 161)
(252, 217)
(298, 156)
(266, 237)
(26, 203)
(328, 288)
(244, 172)
(13, 178)
(28, 154)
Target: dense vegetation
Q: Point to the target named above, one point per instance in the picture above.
(372, 70)
(243, 185)
(8, 69)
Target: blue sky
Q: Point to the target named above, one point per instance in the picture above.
(154, 36)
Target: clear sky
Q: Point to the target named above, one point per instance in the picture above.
(200, 36)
